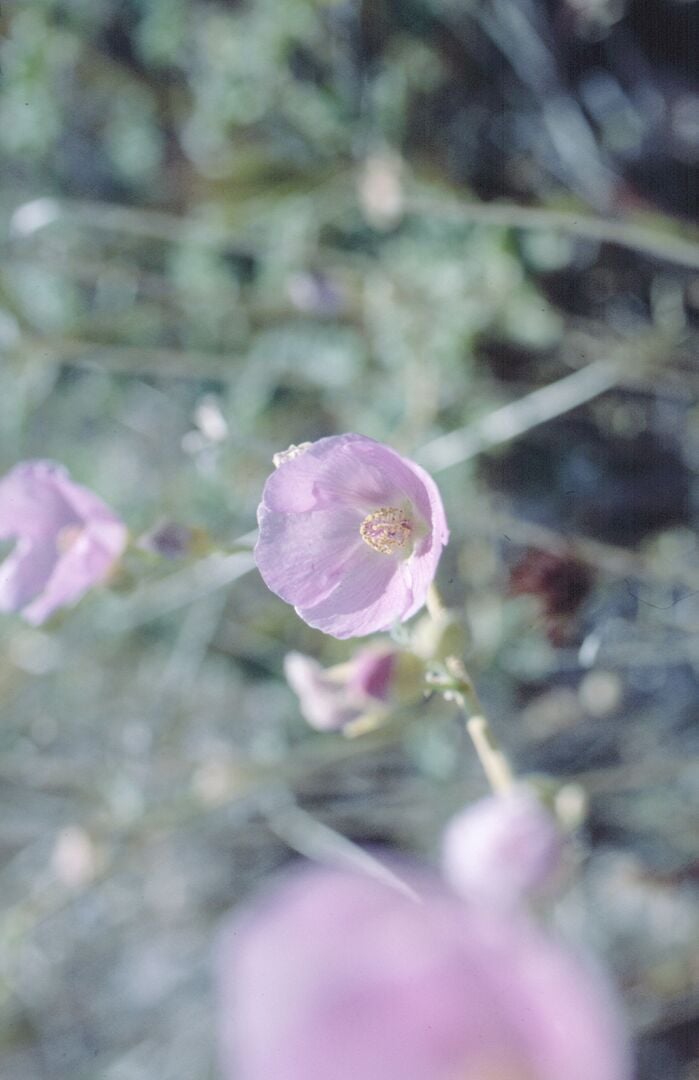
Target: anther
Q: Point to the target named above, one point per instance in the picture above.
(386, 530)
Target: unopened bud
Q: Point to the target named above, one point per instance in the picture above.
(502, 849)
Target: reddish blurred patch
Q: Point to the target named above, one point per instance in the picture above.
(560, 581)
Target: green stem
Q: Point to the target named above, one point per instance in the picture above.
(493, 760)
(657, 243)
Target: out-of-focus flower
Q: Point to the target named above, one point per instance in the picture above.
(502, 848)
(75, 859)
(210, 420)
(350, 534)
(66, 540)
(315, 293)
(560, 581)
(380, 189)
(337, 697)
(332, 976)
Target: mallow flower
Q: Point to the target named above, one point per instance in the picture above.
(345, 696)
(332, 976)
(66, 540)
(337, 697)
(503, 849)
(350, 534)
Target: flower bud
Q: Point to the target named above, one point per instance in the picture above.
(502, 849)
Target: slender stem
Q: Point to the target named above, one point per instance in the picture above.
(318, 841)
(517, 417)
(434, 604)
(495, 765)
(130, 359)
(35, 215)
(659, 243)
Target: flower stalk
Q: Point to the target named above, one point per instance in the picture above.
(456, 685)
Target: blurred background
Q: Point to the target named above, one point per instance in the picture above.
(463, 228)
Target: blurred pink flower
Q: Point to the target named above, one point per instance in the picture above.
(334, 698)
(332, 976)
(350, 534)
(66, 540)
(502, 848)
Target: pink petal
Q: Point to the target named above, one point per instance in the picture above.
(32, 501)
(372, 672)
(87, 562)
(363, 602)
(409, 479)
(24, 572)
(302, 557)
(87, 505)
(330, 474)
(502, 848)
(324, 702)
(332, 975)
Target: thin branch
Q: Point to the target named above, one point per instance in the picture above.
(495, 765)
(31, 217)
(636, 237)
(155, 599)
(514, 419)
(311, 838)
(133, 360)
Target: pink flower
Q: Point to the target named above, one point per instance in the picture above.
(332, 976)
(337, 697)
(502, 848)
(66, 540)
(350, 534)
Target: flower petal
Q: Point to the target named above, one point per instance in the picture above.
(302, 557)
(372, 672)
(88, 506)
(330, 474)
(335, 975)
(364, 602)
(25, 571)
(502, 849)
(86, 563)
(32, 501)
(408, 479)
(324, 701)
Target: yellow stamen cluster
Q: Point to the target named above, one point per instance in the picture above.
(386, 530)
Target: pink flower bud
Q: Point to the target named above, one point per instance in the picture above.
(334, 698)
(502, 848)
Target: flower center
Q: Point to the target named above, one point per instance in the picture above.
(386, 529)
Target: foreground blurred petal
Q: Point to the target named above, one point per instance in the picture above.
(332, 976)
